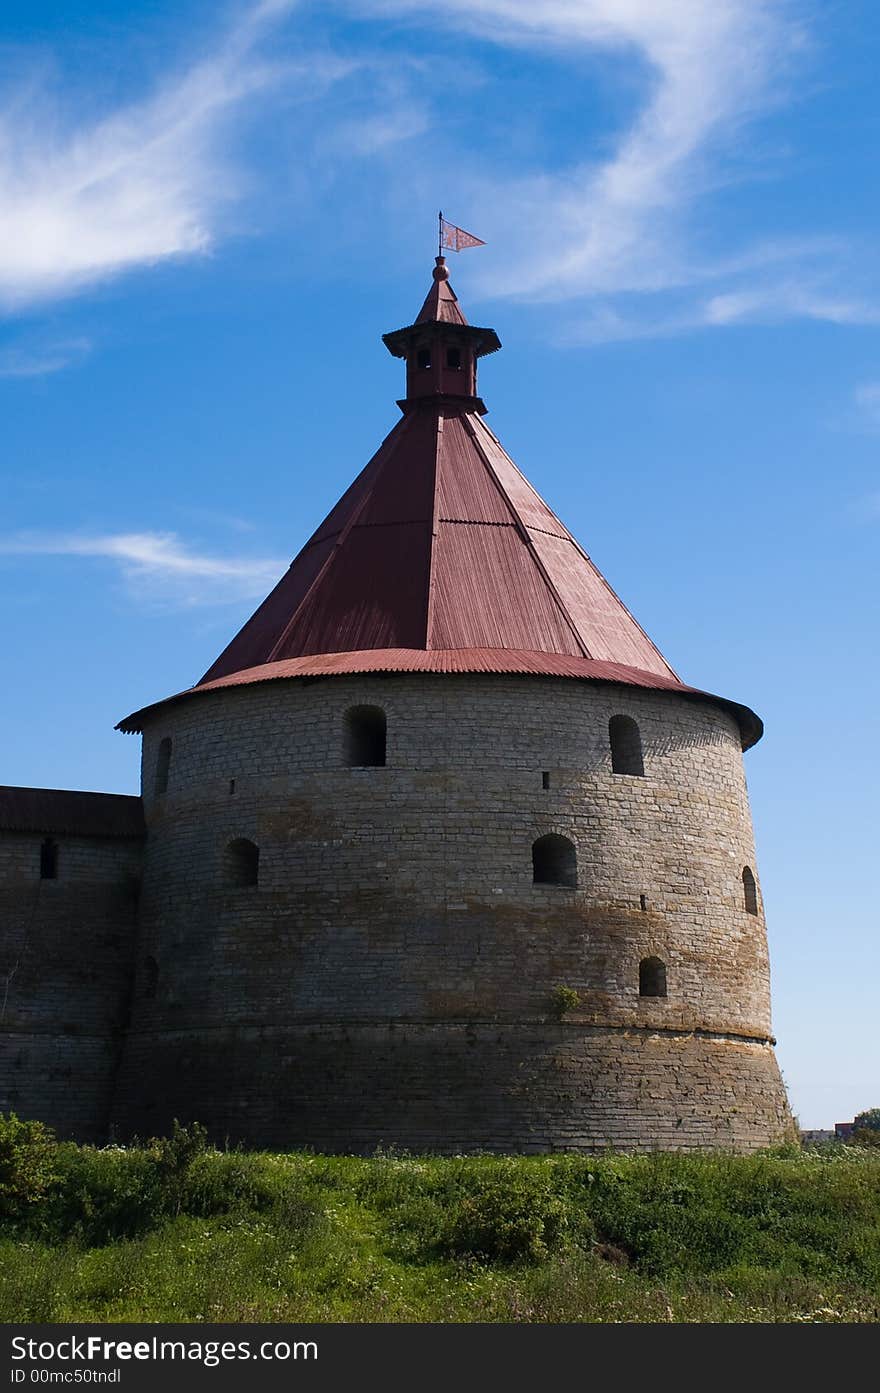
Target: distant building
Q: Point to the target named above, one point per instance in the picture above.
(439, 854)
(815, 1136)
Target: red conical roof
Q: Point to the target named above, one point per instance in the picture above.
(442, 557)
(441, 544)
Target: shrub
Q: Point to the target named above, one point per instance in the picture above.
(27, 1164)
(175, 1154)
(102, 1195)
(563, 1000)
(116, 1194)
(866, 1128)
(113, 1193)
(509, 1213)
(870, 1119)
(173, 1158)
(864, 1136)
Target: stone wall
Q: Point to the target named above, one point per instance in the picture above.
(390, 978)
(66, 948)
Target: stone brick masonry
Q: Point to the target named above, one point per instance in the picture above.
(66, 954)
(390, 978)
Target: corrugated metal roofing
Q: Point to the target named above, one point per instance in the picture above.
(442, 661)
(522, 500)
(488, 594)
(64, 810)
(466, 491)
(442, 546)
(441, 543)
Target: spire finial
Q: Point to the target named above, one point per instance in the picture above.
(441, 270)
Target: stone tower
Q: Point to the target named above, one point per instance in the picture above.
(440, 852)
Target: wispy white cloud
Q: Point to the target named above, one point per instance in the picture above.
(379, 133)
(614, 232)
(611, 225)
(610, 233)
(85, 199)
(609, 321)
(38, 360)
(158, 567)
(789, 299)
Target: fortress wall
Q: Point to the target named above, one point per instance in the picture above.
(456, 1087)
(66, 948)
(391, 975)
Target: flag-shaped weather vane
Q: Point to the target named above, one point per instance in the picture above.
(455, 239)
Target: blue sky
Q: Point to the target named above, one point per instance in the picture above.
(208, 215)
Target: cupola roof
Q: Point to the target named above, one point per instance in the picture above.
(441, 302)
(442, 557)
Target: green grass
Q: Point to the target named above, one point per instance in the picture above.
(186, 1235)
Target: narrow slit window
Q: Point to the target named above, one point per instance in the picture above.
(423, 358)
(750, 890)
(545, 779)
(163, 766)
(365, 737)
(554, 861)
(49, 860)
(652, 977)
(241, 863)
(453, 358)
(626, 746)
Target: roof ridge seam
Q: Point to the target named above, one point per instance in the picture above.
(527, 540)
(476, 522)
(435, 507)
(593, 567)
(313, 541)
(380, 459)
(396, 522)
(465, 419)
(563, 536)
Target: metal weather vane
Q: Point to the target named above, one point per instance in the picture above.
(455, 239)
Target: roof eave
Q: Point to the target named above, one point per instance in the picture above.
(484, 340)
(447, 400)
(500, 662)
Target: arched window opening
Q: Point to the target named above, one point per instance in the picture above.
(554, 860)
(241, 862)
(652, 977)
(423, 358)
(626, 746)
(150, 977)
(750, 891)
(365, 737)
(163, 765)
(453, 358)
(49, 860)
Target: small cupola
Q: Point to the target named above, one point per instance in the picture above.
(441, 349)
